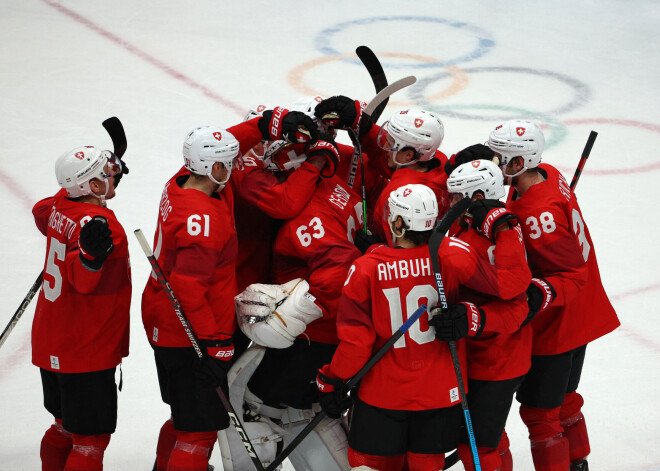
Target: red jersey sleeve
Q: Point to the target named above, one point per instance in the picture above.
(355, 327)
(247, 134)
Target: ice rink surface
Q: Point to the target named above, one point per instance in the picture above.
(164, 67)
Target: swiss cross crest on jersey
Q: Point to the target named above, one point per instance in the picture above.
(79, 155)
(217, 136)
(419, 122)
(520, 131)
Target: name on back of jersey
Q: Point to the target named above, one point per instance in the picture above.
(60, 223)
(398, 269)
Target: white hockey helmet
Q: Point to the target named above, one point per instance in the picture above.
(257, 111)
(281, 156)
(307, 105)
(417, 206)
(419, 129)
(75, 168)
(207, 145)
(478, 175)
(518, 138)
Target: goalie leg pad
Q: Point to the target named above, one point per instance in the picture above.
(326, 447)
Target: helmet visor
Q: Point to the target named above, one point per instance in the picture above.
(386, 141)
(115, 166)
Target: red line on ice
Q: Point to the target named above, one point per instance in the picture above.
(146, 57)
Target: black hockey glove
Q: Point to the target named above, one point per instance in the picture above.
(95, 243)
(473, 152)
(325, 147)
(540, 295)
(459, 321)
(124, 171)
(292, 126)
(215, 362)
(487, 215)
(364, 242)
(341, 112)
(332, 394)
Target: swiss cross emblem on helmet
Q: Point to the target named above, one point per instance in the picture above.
(79, 155)
(419, 122)
(476, 163)
(217, 136)
(520, 131)
(407, 191)
(260, 108)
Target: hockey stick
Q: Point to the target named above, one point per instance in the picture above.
(434, 244)
(357, 150)
(583, 160)
(349, 384)
(21, 309)
(368, 112)
(160, 276)
(117, 134)
(377, 74)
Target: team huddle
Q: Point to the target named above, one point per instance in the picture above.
(290, 268)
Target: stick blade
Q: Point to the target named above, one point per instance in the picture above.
(116, 131)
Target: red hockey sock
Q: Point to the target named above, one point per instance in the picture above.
(55, 447)
(488, 457)
(505, 453)
(425, 462)
(382, 463)
(166, 441)
(575, 428)
(549, 447)
(87, 452)
(191, 451)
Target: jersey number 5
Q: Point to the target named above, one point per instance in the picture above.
(57, 250)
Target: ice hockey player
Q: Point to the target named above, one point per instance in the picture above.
(500, 357)
(295, 318)
(80, 331)
(401, 416)
(404, 150)
(568, 306)
(195, 244)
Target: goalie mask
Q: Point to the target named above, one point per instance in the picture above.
(283, 156)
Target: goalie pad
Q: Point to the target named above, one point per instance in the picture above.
(274, 315)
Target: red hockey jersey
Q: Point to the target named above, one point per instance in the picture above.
(503, 351)
(387, 285)
(317, 245)
(560, 249)
(195, 245)
(260, 199)
(81, 323)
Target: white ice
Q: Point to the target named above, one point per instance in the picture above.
(165, 66)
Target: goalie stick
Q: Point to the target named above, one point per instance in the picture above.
(349, 384)
(116, 131)
(434, 244)
(583, 160)
(160, 276)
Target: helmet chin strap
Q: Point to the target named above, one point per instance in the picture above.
(394, 233)
(224, 182)
(102, 197)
